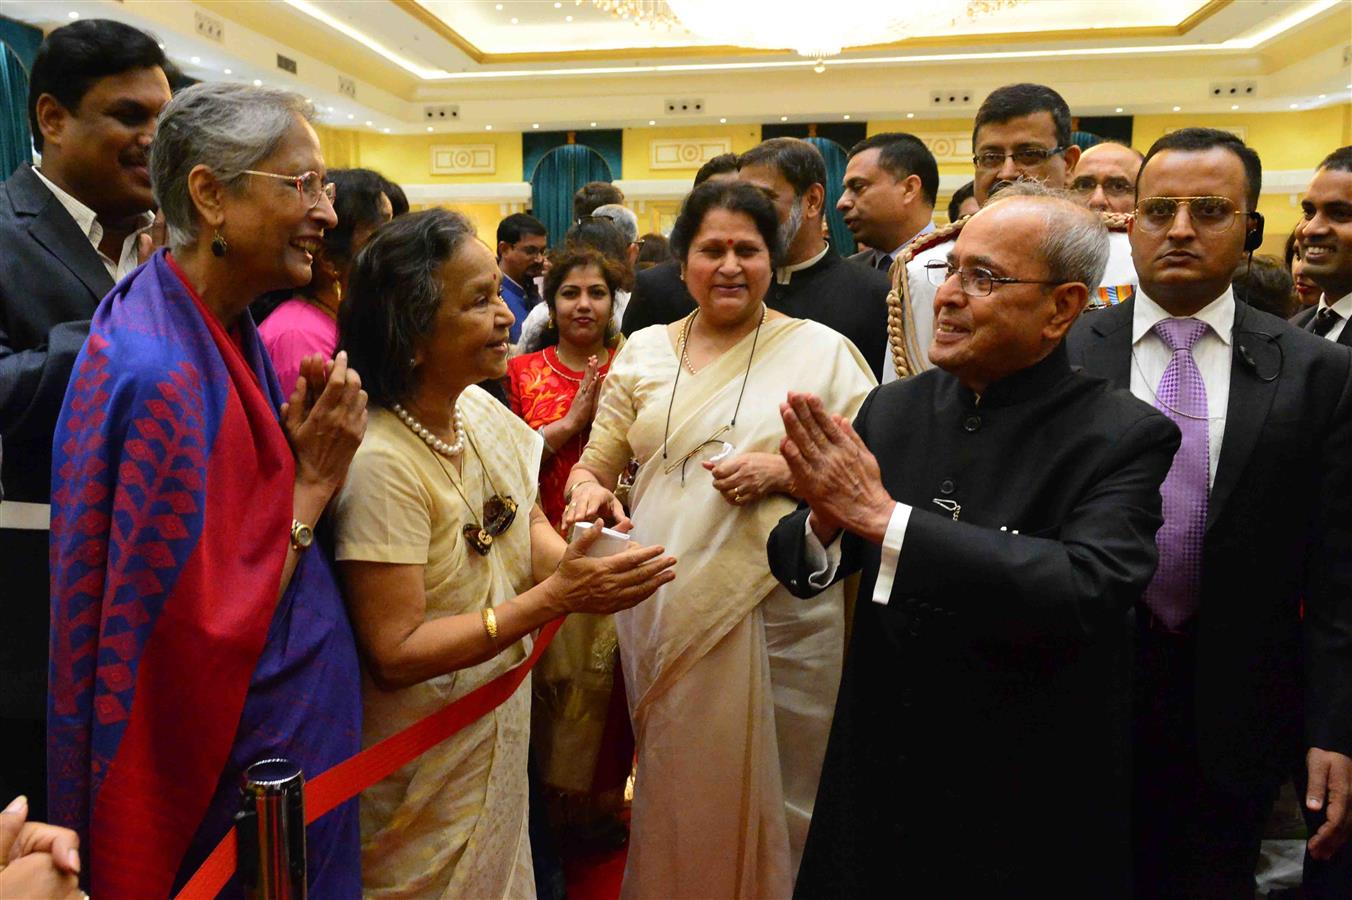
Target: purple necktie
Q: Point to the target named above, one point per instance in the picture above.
(1173, 593)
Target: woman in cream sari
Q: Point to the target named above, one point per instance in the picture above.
(730, 680)
(446, 580)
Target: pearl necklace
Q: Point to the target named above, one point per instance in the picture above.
(436, 443)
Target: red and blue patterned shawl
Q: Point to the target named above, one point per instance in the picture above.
(171, 506)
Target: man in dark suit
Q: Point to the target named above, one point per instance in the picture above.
(891, 182)
(68, 231)
(811, 281)
(659, 296)
(1002, 510)
(1244, 637)
(1325, 235)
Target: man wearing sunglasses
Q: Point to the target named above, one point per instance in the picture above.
(1022, 132)
(1001, 510)
(1244, 637)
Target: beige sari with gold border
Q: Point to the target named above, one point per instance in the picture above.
(731, 681)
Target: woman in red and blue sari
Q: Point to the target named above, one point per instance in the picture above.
(195, 630)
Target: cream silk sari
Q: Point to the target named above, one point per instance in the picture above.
(452, 823)
(731, 681)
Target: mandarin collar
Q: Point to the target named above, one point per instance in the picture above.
(1026, 384)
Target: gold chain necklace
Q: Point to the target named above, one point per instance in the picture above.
(685, 330)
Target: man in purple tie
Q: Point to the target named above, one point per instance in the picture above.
(1244, 636)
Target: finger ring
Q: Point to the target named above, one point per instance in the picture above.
(736, 496)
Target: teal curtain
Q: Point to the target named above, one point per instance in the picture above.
(556, 178)
(834, 154)
(16, 146)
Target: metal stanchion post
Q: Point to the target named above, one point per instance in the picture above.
(271, 830)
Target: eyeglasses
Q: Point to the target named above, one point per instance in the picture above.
(975, 281)
(530, 250)
(1027, 157)
(1214, 214)
(309, 185)
(713, 450)
(1113, 187)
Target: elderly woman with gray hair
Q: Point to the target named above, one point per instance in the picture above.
(196, 630)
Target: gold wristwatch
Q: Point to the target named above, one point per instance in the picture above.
(302, 535)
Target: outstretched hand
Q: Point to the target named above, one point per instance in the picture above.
(833, 471)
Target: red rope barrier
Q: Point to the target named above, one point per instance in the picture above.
(355, 774)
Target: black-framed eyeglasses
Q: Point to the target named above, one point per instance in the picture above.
(975, 280)
(309, 185)
(1113, 187)
(1213, 214)
(1026, 157)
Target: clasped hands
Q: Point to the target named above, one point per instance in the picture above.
(833, 472)
(37, 860)
(325, 419)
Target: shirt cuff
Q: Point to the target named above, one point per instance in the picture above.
(891, 552)
(822, 561)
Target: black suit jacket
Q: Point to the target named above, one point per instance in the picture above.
(1302, 321)
(985, 706)
(869, 259)
(659, 298)
(1269, 683)
(846, 298)
(51, 280)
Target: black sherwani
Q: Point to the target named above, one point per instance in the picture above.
(979, 746)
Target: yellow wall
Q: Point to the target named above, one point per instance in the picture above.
(1287, 140)
(637, 161)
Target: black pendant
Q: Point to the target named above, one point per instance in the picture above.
(499, 513)
(479, 539)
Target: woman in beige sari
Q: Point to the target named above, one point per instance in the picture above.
(730, 680)
(446, 583)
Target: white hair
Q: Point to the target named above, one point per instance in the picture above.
(1074, 244)
(227, 128)
(623, 217)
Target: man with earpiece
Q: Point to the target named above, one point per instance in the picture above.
(1244, 636)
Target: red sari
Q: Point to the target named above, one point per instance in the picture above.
(540, 389)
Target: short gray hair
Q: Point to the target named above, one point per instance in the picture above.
(1075, 244)
(227, 128)
(623, 217)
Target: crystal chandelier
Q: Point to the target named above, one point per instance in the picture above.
(652, 13)
(811, 28)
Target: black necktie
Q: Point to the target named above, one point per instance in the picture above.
(1323, 321)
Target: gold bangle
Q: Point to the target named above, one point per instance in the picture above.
(491, 624)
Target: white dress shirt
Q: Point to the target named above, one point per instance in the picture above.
(929, 226)
(89, 223)
(1343, 307)
(824, 561)
(1150, 357)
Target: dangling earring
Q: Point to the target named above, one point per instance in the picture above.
(218, 245)
(551, 320)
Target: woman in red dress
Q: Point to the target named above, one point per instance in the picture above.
(580, 724)
(555, 389)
